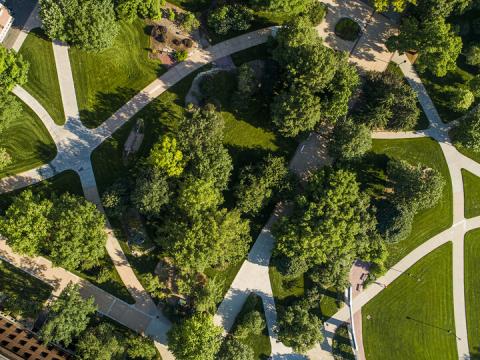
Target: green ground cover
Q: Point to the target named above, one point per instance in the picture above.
(260, 342)
(69, 181)
(472, 295)
(342, 347)
(106, 80)
(474, 155)
(414, 319)
(429, 222)
(287, 290)
(42, 81)
(471, 185)
(25, 294)
(28, 143)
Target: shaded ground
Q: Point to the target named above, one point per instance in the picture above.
(414, 319)
(28, 143)
(42, 75)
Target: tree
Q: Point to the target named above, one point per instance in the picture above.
(115, 199)
(229, 18)
(197, 196)
(200, 138)
(298, 328)
(440, 8)
(434, 39)
(286, 6)
(258, 184)
(26, 224)
(153, 285)
(397, 5)
(5, 158)
(349, 140)
(99, 343)
(87, 24)
(78, 235)
(166, 157)
(461, 99)
(232, 349)
(473, 55)
(468, 133)
(251, 323)
(196, 338)
(327, 221)
(151, 192)
(189, 22)
(208, 296)
(474, 85)
(417, 187)
(387, 102)
(129, 9)
(247, 83)
(68, 316)
(139, 347)
(10, 110)
(315, 11)
(13, 71)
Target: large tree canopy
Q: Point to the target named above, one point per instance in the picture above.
(434, 39)
(196, 338)
(317, 82)
(13, 70)
(87, 24)
(69, 315)
(397, 5)
(468, 133)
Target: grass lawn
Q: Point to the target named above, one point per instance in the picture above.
(26, 292)
(107, 80)
(68, 181)
(472, 292)
(411, 319)
(429, 222)
(260, 342)
(42, 76)
(28, 143)
(474, 155)
(471, 184)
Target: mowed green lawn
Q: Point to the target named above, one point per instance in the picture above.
(471, 185)
(42, 81)
(472, 291)
(28, 143)
(106, 80)
(414, 319)
(429, 222)
(16, 284)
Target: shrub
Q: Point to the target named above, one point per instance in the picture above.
(475, 86)
(316, 12)
(347, 29)
(461, 99)
(350, 140)
(171, 15)
(234, 349)
(473, 55)
(180, 55)
(189, 22)
(230, 18)
(251, 323)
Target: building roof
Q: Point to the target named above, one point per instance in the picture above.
(5, 17)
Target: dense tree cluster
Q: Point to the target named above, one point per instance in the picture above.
(317, 82)
(468, 133)
(229, 18)
(87, 24)
(68, 229)
(130, 9)
(387, 102)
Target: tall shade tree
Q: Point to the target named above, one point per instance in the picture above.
(387, 102)
(468, 133)
(68, 316)
(87, 24)
(13, 70)
(327, 221)
(397, 5)
(99, 343)
(26, 224)
(151, 192)
(196, 338)
(166, 157)
(434, 39)
(349, 140)
(234, 349)
(78, 233)
(140, 347)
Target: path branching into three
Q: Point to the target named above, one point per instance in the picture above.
(75, 144)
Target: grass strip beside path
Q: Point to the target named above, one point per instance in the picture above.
(42, 81)
(471, 184)
(28, 143)
(472, 291)
(414, 319)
